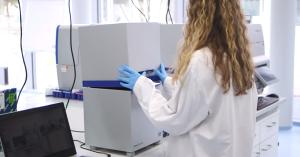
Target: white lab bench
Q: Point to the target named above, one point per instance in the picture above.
(266, 128)
(266, 131)
(75, 116)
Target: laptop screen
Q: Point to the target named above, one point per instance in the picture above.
(38, 132)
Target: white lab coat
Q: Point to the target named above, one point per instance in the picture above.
(201, 119)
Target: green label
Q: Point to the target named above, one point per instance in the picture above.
(11, 99)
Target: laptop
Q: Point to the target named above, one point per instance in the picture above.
(37, 132)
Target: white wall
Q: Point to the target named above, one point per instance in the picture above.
(282, 42)
(297, 63)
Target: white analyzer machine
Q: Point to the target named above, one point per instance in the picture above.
(170, 36)
(64, 63)
(112, 116)
(113, 119)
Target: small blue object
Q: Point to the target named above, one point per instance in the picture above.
(55, 93)
(66, 94)
(8, 100)
(61, 95)
(80, 96)
(74, 96)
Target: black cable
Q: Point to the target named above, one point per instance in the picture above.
(168, 13)
(73, 59)
(82, 144)
(140, 11)
(25, 67)
(72, 53)
(167, 17)
(170, 17)
(78, 141)
(21, 48)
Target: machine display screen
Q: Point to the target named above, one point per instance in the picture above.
(265, 76)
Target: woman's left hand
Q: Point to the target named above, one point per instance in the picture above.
(128, 76)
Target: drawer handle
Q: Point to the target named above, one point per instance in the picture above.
(257, 154)
(268, 148)
(271, 125)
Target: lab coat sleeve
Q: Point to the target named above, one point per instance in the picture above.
(169, 86)
(186, 108)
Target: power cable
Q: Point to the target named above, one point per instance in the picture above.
(140, 11)
(72, 53)
(82, 144)
(168, 13)
(170, 17)
(22, 53)
(76, 131)
(73, 59)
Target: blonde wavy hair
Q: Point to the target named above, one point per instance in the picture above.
(219, 25)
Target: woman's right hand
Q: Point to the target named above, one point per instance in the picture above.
(161, 72)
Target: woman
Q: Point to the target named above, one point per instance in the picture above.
(210, 106)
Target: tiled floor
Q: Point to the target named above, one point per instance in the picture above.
(289, 142)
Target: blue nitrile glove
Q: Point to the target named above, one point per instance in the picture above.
(128, 76)
(161, 72)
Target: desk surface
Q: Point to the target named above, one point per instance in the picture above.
(75, 117)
